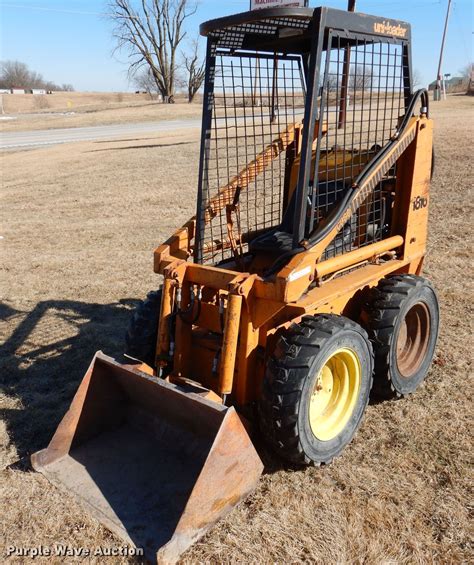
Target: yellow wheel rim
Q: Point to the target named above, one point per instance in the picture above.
(335, 394)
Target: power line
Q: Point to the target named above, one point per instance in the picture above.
(401, 4)
(462, 31)
(61, 11)
(91, 13)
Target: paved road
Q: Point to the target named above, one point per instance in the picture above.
(16, 139)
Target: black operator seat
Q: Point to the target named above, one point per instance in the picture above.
(279, 240)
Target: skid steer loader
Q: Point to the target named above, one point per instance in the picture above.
(293, 289)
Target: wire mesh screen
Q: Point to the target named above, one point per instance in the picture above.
(233, 37)
(362, 100)
(257, 100)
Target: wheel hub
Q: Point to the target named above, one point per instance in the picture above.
(412, 340)
(335, 394)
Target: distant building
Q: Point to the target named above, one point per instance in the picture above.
(454, 84)
(16, 90)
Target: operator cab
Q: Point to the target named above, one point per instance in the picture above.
(295, 108)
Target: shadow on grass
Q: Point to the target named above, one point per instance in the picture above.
(123, 140)
(148, 146)
(45, 358)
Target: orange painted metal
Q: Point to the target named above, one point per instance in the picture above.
(229, 344)
(163, 338)
(353, 257)
(211, 277)
(323, 286)
(178, 246)
(334, 295)
(412, 190)
(245, 382)
(156, 464)
(183, 335)
(268, 303)
(332, 163)
(289, 289)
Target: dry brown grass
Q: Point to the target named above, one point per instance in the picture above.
(67, 101)
(63, 101)
(79, 225)
(78, 109)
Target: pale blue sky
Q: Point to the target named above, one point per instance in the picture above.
(69, 41)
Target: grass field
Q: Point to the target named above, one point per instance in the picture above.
(26, 112)
(63, 101)
(79, 224)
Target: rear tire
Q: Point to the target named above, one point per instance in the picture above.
(140, 339)
(402, 318)
(316, 388)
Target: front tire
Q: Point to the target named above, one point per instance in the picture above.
(316, 388)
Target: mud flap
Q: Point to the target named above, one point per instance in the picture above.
(156, 464)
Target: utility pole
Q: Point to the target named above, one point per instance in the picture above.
(437, 90)
(445, 78)
(351, 4)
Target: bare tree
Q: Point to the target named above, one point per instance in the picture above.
(143, 80)
(417, 79)
(334, 82)
(15, 74)
(466, 71)
(50, 86)
(360, 78)
(152, 33)
(195, 70)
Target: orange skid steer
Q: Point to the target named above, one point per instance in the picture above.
(293, 293)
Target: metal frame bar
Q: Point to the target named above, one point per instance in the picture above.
(320, 134)
(407, 73)
(205, 145)
(243, 53)
(312, 86)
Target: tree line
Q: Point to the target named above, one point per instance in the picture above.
(15, 74)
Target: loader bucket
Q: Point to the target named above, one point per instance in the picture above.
(155, 463)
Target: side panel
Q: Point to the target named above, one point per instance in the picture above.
(412, 191)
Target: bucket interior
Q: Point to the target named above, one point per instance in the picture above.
(136, 453)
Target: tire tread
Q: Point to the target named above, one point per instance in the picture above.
(285, 377)
(379, 317)
(140, 339)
